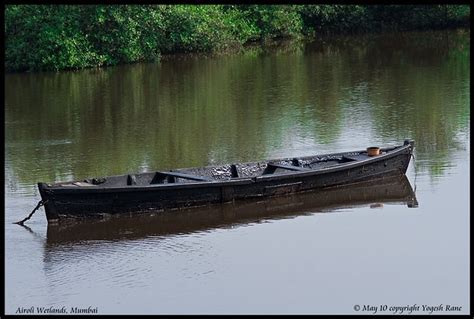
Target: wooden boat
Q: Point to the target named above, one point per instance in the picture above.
(394, 190)
(198, 186)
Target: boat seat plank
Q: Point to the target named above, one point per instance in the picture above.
(234, 173)
(271, 168)
(288, 167)
(80, 184)
(131, 180)
(355, 157)
(186, 176)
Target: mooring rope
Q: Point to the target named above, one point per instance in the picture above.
(40, 203)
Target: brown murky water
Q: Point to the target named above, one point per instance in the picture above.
(300, 254)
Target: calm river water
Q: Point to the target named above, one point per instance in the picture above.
(296, 255)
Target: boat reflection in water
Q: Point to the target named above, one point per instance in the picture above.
(394, 190)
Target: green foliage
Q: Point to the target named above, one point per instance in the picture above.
(122, 34)
(45, 38)
(195, 28)
(335, 18)
(272, 21)
(409, 17)
(55, 37)
(61, 37)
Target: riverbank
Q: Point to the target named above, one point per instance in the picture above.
(59, 37)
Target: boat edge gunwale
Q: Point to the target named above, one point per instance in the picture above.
(395, 150)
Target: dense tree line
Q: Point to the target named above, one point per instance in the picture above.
(55, 37)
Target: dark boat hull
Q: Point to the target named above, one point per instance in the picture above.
(92, 202)
(394, 190)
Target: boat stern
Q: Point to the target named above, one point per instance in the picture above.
(409, 142)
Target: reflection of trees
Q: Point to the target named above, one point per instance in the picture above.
(186, 112)
(190, 111)
(424, 93)
(410, 85)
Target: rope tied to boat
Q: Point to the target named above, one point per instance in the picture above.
(40, 203)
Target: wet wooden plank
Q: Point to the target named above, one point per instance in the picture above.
(186, 176)
(288, 167)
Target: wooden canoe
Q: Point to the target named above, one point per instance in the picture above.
(394, 190)
(199, 186)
